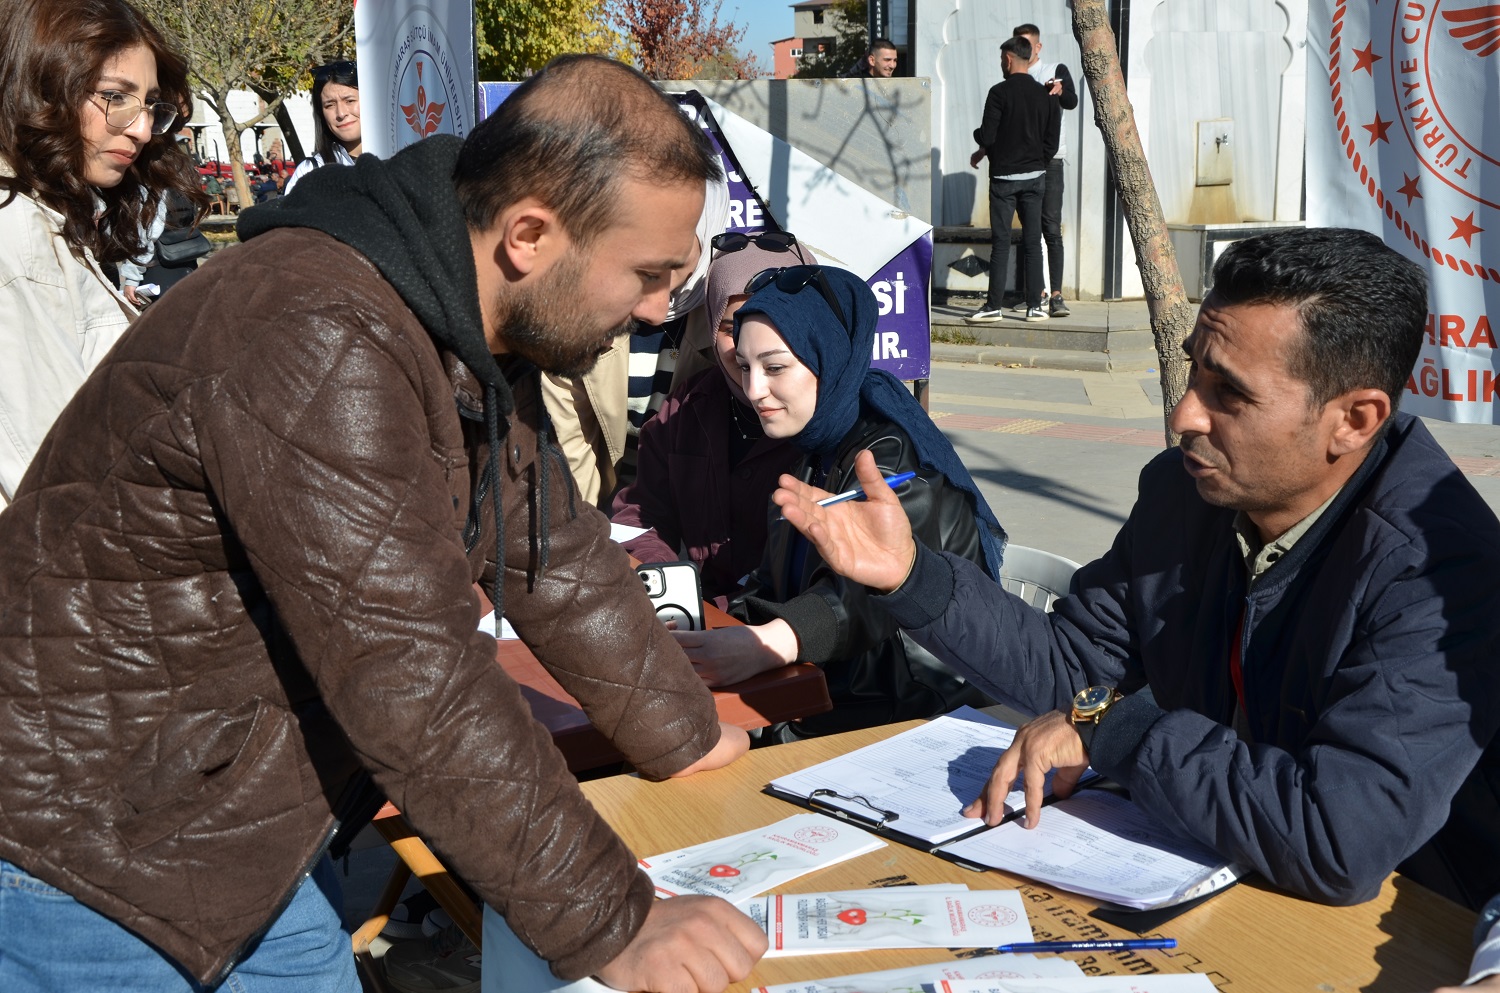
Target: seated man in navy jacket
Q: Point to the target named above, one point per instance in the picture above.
(1290, 652)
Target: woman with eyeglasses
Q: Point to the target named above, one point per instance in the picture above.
(335, 100)
(704, 469)
(89, 90)
(803, 342)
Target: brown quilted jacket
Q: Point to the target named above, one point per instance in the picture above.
(235, 576)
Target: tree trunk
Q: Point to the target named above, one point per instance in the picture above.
(1172, 315)
(232, 132)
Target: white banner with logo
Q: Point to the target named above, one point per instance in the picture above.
(416, 70)
(1401, 140)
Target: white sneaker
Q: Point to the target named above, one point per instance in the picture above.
(1036, 314)
(985, 316)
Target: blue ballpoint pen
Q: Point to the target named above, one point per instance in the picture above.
(859, 494)
(1127, 944)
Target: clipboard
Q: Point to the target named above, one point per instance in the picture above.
(900, 772)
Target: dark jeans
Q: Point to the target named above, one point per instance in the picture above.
(1007, 198)
(1052, 224)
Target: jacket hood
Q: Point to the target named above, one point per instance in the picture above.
(403, 214)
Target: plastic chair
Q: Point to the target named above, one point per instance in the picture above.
(1036, 576)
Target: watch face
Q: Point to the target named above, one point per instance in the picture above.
(1092, 698)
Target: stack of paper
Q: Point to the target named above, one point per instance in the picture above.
(913, 785)
(912, 978)
(742, 865)
(1101, 845)
(940, 916)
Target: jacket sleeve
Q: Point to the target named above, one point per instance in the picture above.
(1052, 136)
(1068, 98)
(317, 448)
(587, 618)
(650, 501)
(1329, 819)
(988, 132)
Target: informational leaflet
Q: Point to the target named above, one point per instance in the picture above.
(911, 979)
(942, 916)
(742, 865)
(916, 783)
(1181, 982)
(1101, 845)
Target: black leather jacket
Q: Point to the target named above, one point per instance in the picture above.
(876, 674)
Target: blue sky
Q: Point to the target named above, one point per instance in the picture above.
(763, 20)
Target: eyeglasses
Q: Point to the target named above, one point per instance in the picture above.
(122, 109)
(770, 241)
(796, 278)
(343, 67)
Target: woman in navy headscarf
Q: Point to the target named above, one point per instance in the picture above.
(804, 341)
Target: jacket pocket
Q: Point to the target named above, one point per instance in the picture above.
(209, 767)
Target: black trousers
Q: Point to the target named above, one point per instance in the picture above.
(1052, 200)
(1007, 198)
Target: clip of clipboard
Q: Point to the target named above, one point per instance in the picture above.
(822, 807)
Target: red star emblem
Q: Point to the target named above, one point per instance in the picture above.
(1378, 129)
(1365, 58)
(1409, 188)
(1465, 228)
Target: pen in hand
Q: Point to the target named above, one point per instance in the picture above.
(1127, 944)
(858, 493)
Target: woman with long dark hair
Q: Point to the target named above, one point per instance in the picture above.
(89, 93)
(335, 100)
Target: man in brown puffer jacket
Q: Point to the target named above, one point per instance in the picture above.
(237, 579)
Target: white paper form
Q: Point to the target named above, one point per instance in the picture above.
(925, 776)
(1181, 982)
(1101, 845)
(742, 865)
(937, 916)
(910, 979)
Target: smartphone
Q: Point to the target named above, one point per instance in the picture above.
(677, 593)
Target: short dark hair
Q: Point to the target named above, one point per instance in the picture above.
(1363, 306)
(345, 73)
(569, 136)
(878, 43)
(52, 53)
(1030, 30)
(1018, 46)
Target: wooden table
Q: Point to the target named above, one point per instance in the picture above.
(1248, 939)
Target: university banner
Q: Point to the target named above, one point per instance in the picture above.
(416, 70)
(774, 186)
(1401, 141)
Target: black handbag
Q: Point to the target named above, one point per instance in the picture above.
(175, 249)
(180, 244)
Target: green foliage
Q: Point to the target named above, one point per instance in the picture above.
(849, 21)
(514, 38)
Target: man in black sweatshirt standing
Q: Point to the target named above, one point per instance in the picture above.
(1019, 135)
(1059, 83)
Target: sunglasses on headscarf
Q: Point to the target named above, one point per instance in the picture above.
(796, 278)
(770, 241)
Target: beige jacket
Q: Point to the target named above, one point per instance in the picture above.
(59, 315)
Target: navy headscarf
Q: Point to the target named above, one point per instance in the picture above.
(839, 355)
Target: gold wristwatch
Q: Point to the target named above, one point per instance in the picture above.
(1088, 707)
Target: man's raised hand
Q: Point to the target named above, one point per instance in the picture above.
(869, 540)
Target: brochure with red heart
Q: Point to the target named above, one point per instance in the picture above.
(742, 865)
(941, 916)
